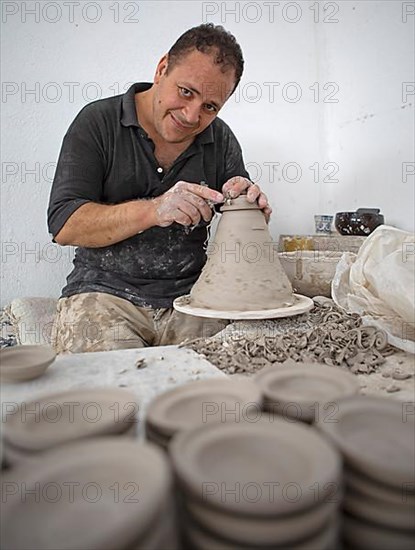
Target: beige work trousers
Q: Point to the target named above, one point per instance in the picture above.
(95, 321)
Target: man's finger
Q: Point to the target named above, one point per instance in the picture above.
(234, 187)
(200, 204)
(253, 193)
(263, 201)
(186, 215)
(199, 190)
(267, 213)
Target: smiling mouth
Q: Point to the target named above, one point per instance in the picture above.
(179, 125)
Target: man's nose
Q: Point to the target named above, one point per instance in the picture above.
(192, 113)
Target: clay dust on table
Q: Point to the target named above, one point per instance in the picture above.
(326, 335)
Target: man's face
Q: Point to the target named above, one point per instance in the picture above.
(189, 96)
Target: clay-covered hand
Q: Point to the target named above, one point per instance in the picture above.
(238, 185)
(185, 203)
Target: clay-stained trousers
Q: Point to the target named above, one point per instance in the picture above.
(95, 321)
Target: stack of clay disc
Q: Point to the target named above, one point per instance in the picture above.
(261, 484)
(377, 439)
(201, 402)
(305, 391)
(100, 494)
(57, 419)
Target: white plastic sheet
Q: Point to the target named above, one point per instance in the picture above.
(379, 284)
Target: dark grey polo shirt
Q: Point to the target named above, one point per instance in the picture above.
(107, 158)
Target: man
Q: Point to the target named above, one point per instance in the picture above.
(127, 192)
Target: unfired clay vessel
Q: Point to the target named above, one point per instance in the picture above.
(216, 458)
(361, 535)
(267, 450)
(19, 363)
(246, 529)
(66, 417)
(391, 516)
(375, 490)
(376, 439)
(311, 272)
(243, 271)
(200, 402)
(305, 391)
(202, 539)
(118, 490)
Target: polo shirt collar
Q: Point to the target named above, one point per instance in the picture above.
(129, 115)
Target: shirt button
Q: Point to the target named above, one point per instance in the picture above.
(159, 169)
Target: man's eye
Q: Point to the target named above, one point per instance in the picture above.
(210, 108)
(185, 92)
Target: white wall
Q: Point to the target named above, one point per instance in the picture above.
(71, 54)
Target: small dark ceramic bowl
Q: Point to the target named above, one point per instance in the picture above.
(358, 223)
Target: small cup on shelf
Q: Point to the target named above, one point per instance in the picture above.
(323, 223)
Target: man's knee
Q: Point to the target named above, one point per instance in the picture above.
(90, 337)
(87, 323)
(183, 327)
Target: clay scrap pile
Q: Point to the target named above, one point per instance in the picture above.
(325, 335)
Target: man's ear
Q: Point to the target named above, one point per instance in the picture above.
(161, 68)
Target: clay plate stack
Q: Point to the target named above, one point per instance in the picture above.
(377, 439)
(305, 391)
(198, 403)
(102, 494)
(62, 418)
(257, 484)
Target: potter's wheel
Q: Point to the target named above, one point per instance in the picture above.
(302, 304)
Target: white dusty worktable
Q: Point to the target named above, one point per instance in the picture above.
(167, 367)
(164, 368)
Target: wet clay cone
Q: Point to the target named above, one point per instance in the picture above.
(243, 271)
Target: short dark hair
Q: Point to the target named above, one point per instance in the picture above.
(208, 38)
